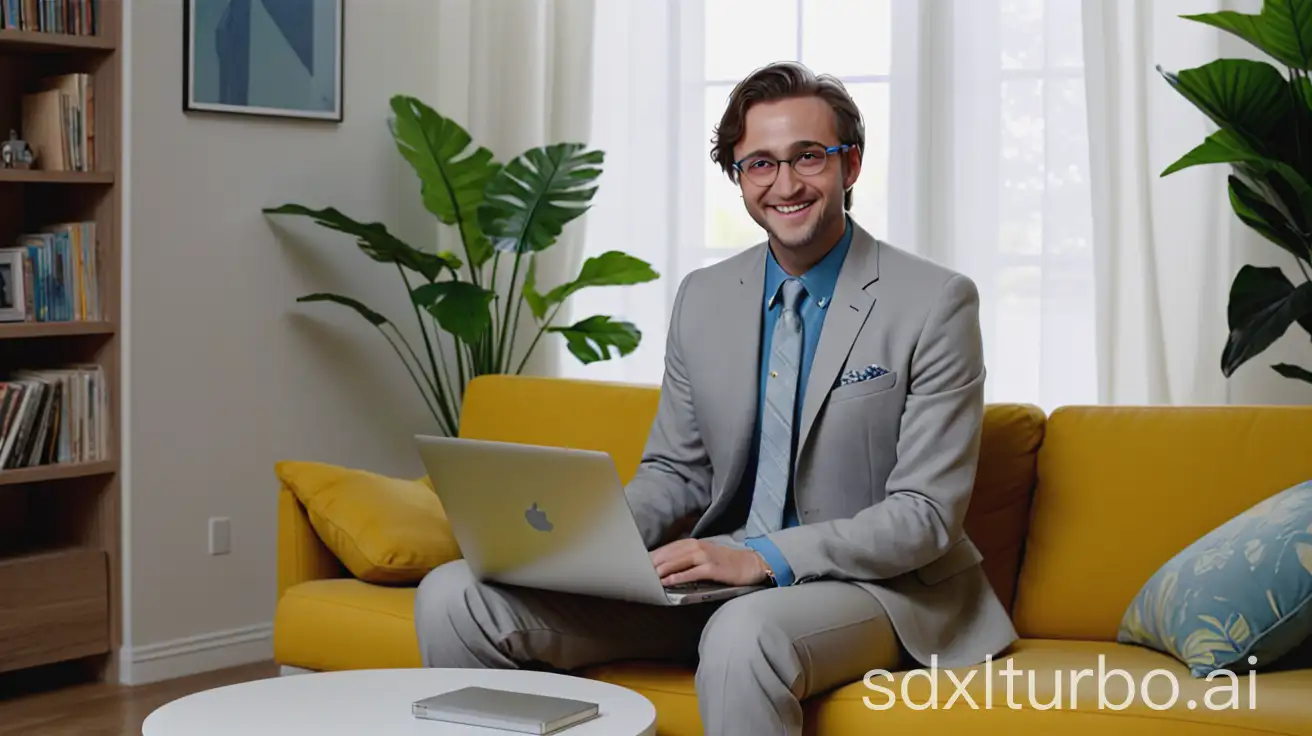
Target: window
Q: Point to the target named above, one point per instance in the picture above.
(850, 40)
(976, 155)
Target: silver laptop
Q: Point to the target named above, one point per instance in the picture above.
(550, 518)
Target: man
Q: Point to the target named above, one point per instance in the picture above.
(819, 423)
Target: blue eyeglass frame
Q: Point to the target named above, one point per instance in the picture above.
(829, 151)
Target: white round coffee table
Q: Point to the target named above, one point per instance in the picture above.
(357, 702)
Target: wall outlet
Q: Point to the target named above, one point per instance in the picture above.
(220, 535)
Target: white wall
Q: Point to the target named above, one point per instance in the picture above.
(227, 374)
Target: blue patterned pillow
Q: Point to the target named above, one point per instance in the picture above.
(1243, 590)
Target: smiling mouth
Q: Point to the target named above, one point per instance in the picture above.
(791, 209)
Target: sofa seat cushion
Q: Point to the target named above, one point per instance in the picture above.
(346, 624)
(1282, 705)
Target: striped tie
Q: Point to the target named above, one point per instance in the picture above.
(774, 465)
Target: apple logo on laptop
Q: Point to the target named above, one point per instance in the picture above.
(537, 518)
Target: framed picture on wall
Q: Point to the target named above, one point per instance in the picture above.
(276, 58)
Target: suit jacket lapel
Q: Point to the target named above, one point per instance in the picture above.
(740, 345)
(843, 320)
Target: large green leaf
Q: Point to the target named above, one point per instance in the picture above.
(373, 238)
(1274, 182)
(1283, 30)
(1221, 147)
(531, 199)
(1263, 304)
(1266, 131)
(592, 339)
(374, 318)
(451, 259)
(1292, 371)
(460, 307)
(1246, 298)
(453, 183)
(1283, 187)
(1303, 91)
(611, 268)
(1263, 217)
(1250, 98)
(537, 303)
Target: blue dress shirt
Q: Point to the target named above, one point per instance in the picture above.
(819, 282)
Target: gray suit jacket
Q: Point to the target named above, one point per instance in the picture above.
(885, 467)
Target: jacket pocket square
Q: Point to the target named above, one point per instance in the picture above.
(874, 370)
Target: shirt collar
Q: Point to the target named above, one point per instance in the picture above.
(820, 280)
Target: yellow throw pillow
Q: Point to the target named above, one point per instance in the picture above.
(384, 530)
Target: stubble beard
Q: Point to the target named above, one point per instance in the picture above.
(808, 236)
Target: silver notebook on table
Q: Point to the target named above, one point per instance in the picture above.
(505, 709)
(551, 518)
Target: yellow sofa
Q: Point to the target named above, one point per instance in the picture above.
(1073, 513)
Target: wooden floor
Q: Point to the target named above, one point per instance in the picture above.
(32, 709)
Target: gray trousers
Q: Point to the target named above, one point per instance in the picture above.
(757, 656)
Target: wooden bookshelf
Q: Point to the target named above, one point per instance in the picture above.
(56, 177)
(36, 42)
(32, 330)
(60, 551)
(67, 612)
(56, 471)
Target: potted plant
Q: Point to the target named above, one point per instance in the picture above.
(1265, 136)
(506, 215)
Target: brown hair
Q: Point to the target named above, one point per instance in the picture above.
(778, 81)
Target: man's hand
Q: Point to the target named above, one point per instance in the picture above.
(690, 560)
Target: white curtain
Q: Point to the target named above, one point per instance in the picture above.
(1163, 245)
(1168, 248)
(635, 121)
(518, 74)
(990, 176)
(1018, 141)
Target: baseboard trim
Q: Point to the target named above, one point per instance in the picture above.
(196, 654)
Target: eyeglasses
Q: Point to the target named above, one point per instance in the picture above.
(763, 170)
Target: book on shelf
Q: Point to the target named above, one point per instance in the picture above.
(75, 17)
(59, 279)
(58, 122)
(53, 415)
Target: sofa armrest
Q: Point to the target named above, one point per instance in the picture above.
(301, 556)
